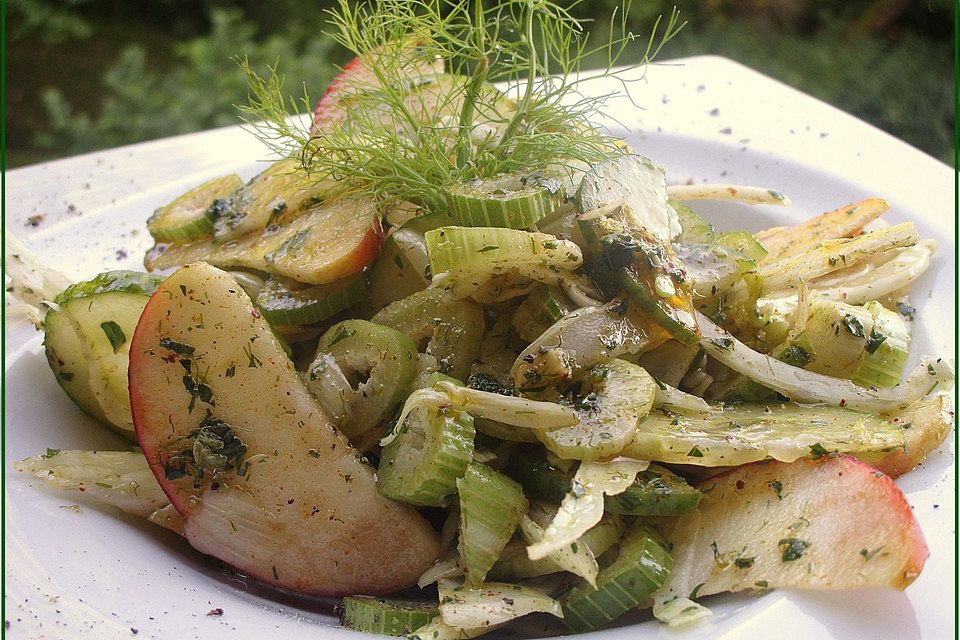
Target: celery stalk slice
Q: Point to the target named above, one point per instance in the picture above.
(283, 304)
(491, 250)
(428, 452)
(514, 201)
(354, 349)
(491, 507)
(385, 616)
(452, 328)
(641, 568)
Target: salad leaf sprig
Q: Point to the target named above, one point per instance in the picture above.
(406, 132)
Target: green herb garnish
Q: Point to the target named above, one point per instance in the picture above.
(406, 132)
(792, 548)
(817, 451)
(777, 487)
(853, 326)
(114, 334)
(867, 554)
(874, 341)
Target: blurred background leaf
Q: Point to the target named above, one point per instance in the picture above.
(85, 75)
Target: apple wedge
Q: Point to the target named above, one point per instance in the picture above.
(357, 75)
(832, 523)
(327, 242)
(246, 455)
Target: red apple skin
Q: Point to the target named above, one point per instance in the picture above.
(306, 514)
(327, 114)
(363, 254)
(355, 74)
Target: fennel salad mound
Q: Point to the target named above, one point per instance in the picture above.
(459, 356)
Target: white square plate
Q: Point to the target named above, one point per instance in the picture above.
(99, 574)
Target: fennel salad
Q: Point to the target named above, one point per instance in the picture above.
(460, 356)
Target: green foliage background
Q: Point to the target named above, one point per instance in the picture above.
(91, 74)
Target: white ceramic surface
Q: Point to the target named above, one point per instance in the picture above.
(95, 573)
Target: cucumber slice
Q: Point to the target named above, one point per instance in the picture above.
(87, 336)
(191, 215)
(453, 327)
(539, 311)
(491, 506)
(400, 270)
(637, 182)
(327, 242)
(492, 251)
(286, 302)
(747, 433)
(282, 191)
(511, 200)
(428, 222)
(386, 617)
(743, 242)
(431, 451)
(610, 400)
(66, 357)
(349, 353)
(655, 492)
(641, 567)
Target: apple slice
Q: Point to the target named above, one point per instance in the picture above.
(357, 75)
(329, 241)
(262, 479)
(833, 523)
